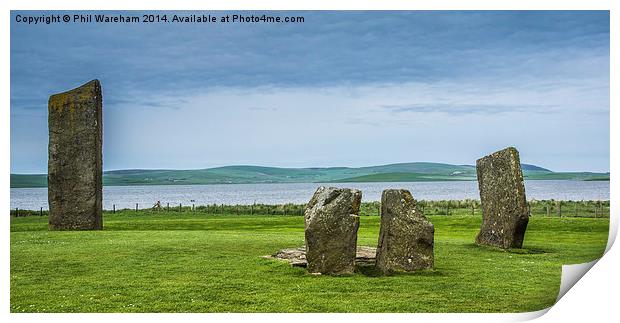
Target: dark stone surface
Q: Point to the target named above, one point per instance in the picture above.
(332, 220)
(504, 208)
(75, 158)
(406, 237)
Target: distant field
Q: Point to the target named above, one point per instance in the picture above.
(184, 262)
(405, 172)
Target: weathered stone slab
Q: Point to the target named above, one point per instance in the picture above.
(365, 256)
(502, 193)
(75, 158)
(331, 223)
(406, 237)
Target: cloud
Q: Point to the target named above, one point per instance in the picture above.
(459, 109)
(329, 49)
(343, 88)
(152, 102)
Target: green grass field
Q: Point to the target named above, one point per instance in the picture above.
(184, 262)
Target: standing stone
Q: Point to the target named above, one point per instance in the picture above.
(502, 194)
(406, 237)
(331, 227)
(75, 161)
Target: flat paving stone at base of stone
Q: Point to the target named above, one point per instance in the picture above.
(364, 256)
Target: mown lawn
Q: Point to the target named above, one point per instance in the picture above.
(180, 262)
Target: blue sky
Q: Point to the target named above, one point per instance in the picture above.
(340, 89)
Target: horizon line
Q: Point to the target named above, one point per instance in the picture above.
(313, 167)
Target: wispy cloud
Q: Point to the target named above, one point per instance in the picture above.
(459, 109)
(149, 100)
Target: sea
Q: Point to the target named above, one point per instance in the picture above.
(146, 196)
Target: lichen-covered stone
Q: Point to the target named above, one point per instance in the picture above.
(406, 237)
(75, 158)
(331, 223)
(502, 193)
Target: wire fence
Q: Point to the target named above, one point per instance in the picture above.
(547, 208)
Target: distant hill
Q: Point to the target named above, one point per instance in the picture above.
(528, 167)
(245, 174)
(35, 180)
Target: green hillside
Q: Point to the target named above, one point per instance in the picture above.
(245, 174)
(403, 177)
(35, 180)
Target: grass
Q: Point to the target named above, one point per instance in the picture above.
(185, 262)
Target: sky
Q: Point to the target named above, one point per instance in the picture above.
(340, 89)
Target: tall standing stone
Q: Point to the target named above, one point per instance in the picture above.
(331, 223)
(75, 158)
(502, 193)
(406, 237)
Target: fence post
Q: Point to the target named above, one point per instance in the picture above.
(576, 208)
(113, 208)
(595, 209)
(167, 206)
(194, 208)
(16, 212)
(180, 206)
(548, 210)
(559, 204)
(41, 212)
(136, 207)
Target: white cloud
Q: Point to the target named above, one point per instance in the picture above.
(351, 126)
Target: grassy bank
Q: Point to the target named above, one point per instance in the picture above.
(196, 262)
